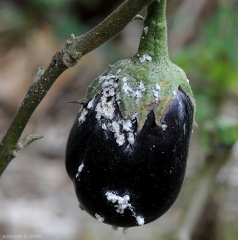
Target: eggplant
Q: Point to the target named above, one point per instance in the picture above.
(128, 148)
(124, 178)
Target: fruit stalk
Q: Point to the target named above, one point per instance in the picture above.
(154, 38)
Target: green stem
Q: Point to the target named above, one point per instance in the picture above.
(154, 39)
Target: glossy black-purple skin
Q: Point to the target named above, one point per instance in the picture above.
(151, 171)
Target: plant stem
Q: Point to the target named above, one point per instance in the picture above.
(154, 40)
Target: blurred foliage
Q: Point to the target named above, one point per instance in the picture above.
(212, 64)
(64, 17)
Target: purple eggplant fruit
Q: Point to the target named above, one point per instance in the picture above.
(127, 150)
(132, 182)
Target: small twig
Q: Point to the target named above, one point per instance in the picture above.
(28, 139)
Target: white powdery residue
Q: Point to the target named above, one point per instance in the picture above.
(130, 138)
(118, 97)
(140, 220)
(121, 203)
(138, 92)
(111, 92)
(116, 127)
(104, 126)
(141, 87)
(145, 57)
(90, 104)
(82, 117)
(120, 139)
(110, 76)
(157, 87)
(119, 71)
(98, 116)
(156, 95)
(105, 84)
(146, 30)
(164, 126)
(99, 218)
(134, 116)
(148, 58)
(109, 82)
(127, 125)
(105, 109)
(115, 85)
(126, 88)
(79, 170)
(124, 79)
(102, 78)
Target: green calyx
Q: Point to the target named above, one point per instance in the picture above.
(149, 80)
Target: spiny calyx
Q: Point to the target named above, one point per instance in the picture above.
(139, 85)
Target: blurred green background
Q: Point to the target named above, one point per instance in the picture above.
(36, 196)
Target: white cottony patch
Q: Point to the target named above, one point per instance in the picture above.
(102, 78)
(130, 138)
(81, 167)
(119, 71)
(187, 80)
(135, 92)
(141, 87)
(174, 93)
(122, 203)
(105, 109)
(90, 104)
(135, 115)
(140, 220)
(164, 126)
(145, 57)
(104, 126)
(120, 139)
(116, 127)
(126, 88)
(79, 170)
(124, 79)
(99, 218)
(110, 98)
(145, 30)
(156, 92)
(105, 78)
(82, 117)
(138, 92)
(157, 87)
(127, 125)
